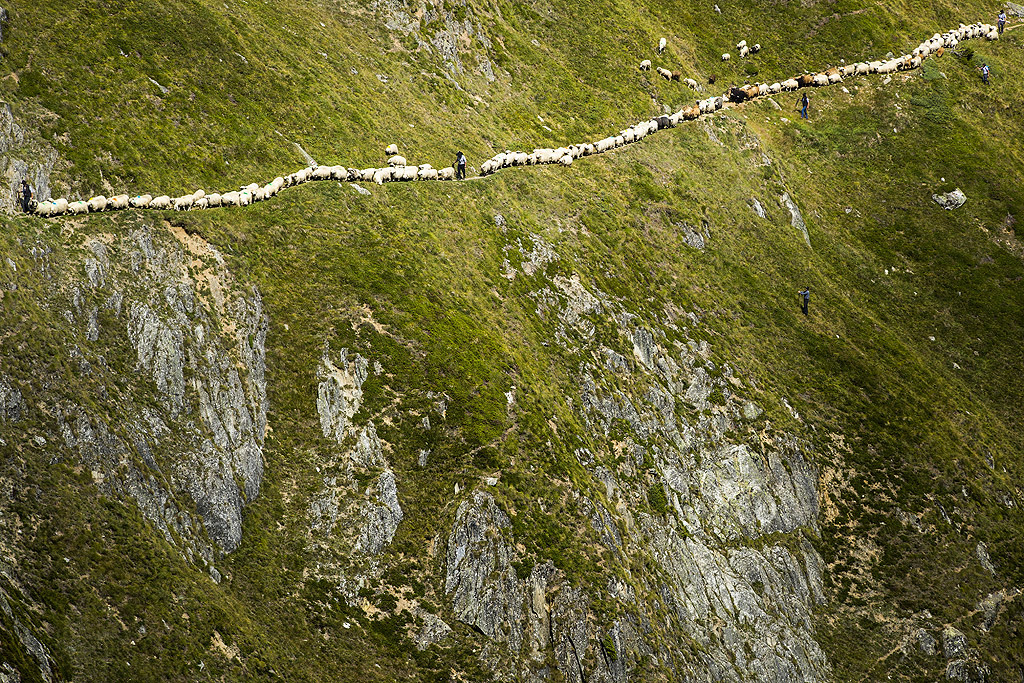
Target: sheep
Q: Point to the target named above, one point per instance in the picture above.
(847, 70)
(77, 208)
(229, 199)
(790, 84)
(726, 57)
(941, 50)
(407, 173)
(717, 103)
(321, 173)
(302, 176)
(804, 80)
(141, 201)
(426, 174)
(244, 198)
(665, 73)
(692, 112)
(862, 68)
(820, 79)
(711, 79)
(676, 75)
(213, 200)
(97, 203)
(200, 203)
(661, 45)
(755, 49)
(391, 150)
(251, 187)
(198, 194)
(744, 51)
(738, 94)
(259, 195)
(566, 160)
(775, 88)
(992, 35)
(692, 84)
(44, 208)
(60, 206)
(366, 175)
(740, 45)
(645, 65)
(834, 76)
(487, 167)
(664, 122)
(183, 203)
(382, 175)
(446, 173)
(117, 203)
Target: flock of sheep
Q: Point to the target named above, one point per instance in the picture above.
(399, 170)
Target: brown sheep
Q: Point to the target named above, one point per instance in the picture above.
(805, 80)
(676, 75)
(711, 79)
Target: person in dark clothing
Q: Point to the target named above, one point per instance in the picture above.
(460, 166)
(984, 73)
(26, 196)
(805, 298)
(804, 102)
(1002, 20)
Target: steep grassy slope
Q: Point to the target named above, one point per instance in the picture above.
(905, 375)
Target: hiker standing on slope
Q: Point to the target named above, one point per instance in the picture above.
(804, 102)
(984, 73)
(460, 166)
(1002, 20)
(805, 298)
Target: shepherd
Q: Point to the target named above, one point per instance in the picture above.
(460, 166)
(805, 298)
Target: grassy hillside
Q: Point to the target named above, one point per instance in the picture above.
(905, 375)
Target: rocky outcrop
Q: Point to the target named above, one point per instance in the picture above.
(22, 157)
(177, 353)
(724, 510)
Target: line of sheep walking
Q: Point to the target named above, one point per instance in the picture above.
(399, 170)
(935, 45)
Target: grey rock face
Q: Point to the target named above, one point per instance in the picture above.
(183, 428)
(479, 576)
(22, 157)
(434, 630)
(29, 642)
(983, 557)
(12, 404)
(796, 218)
(927, 642)
(381, 515)
(340, 392)
(758, 209)
(950, 200)
(954, 643)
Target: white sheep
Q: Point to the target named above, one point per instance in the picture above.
(141, 201)
(117, 203)
(775, 88)
(200, 203)
(427, 174)
(992, 35)
(97, 203)
(60, 206)
(228, 199)
(645, 65)
(44, 209)
(665, 73)
(726, 57)
(382, 175)
(744, 51)
(740, 45)
(566, 160)
(790, 84)
(213, 200)
(183, 203)
(820, 79)
(244, 198)
(396, 160)
(834, 77)
(198, 194)
(661, 45)
(77, 208)
(447, 173)
(692, 83)
(321, 173)
(391, 150)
